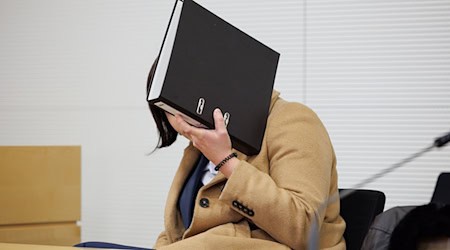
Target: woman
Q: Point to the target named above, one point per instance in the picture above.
(266, 201)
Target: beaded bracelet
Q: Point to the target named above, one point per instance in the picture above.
(225, 161)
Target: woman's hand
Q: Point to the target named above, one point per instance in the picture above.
(215, 144)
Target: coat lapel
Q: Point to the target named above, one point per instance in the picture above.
(172, 219)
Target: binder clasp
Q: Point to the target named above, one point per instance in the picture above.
(226, 118)
(200, 105)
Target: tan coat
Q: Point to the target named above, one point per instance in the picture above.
(279, 190)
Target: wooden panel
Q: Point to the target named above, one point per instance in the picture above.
(59, 234)
(10, 246)
(39, 184)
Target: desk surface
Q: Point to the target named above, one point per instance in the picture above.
(9, 246)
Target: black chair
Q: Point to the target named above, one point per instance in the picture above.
(359, 208)
(441, 190)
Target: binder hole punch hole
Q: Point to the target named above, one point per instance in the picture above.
(200, 105)
(226, 118)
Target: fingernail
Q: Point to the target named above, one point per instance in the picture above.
(217, 110)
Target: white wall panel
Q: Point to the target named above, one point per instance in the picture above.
(378, 74)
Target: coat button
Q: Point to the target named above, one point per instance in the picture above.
(235, 204)
(204, 202)
(251, 212)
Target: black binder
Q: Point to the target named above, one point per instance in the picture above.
(205, 63)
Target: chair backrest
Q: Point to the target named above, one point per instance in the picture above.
(441, 191)
(359, 210)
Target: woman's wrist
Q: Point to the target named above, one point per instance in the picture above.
(228, 167)
(225, 159)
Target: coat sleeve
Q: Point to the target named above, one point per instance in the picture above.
(285, 201)
(161, 240)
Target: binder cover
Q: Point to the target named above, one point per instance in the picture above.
(205, 63)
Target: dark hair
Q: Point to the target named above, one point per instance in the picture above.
(167, 134)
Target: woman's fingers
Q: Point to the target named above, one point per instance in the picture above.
(186, 129)
(215, 144)
(219, 122)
